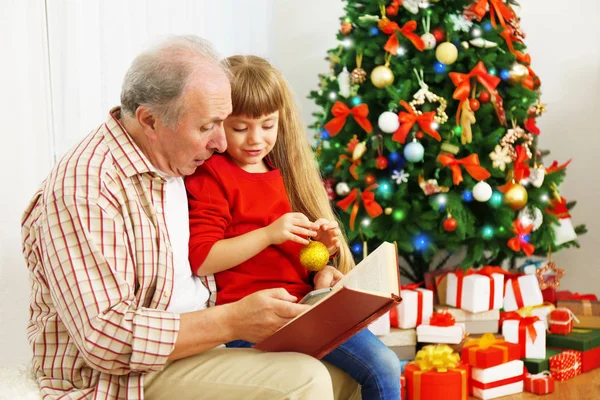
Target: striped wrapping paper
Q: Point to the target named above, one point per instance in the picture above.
(565, 365)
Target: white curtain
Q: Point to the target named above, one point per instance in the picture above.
(92, 43)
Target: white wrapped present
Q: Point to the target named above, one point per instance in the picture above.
(527, 332)
(498, 381)
(415, 309)
(522, 291)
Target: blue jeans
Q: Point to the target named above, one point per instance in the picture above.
(366, 359)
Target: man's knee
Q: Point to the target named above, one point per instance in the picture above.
(310, 378)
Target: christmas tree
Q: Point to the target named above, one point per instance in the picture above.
(427, 135)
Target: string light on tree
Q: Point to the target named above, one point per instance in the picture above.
(421, 242)
(366, 222)
(467, 196)
(398, 215)
(357, 248)
(496, 200)
(487, 232)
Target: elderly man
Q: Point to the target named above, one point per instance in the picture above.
(115, 310)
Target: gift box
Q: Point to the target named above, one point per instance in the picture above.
(529, 266)
(415, 309)
(489, 351)
(475, 323)
(432, 279)
(474, 291)
(565, 365)
(579, 339)
(590, 360)
(542, 383)
(522, 291)
(381, 326)
(561, 321)
(442, 329)
(537, 365)
(402, 342)
(584, 307)
(528, 332)
(542, 312)
(435, 374)
(498, 381)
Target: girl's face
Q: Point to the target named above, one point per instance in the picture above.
(249, 140)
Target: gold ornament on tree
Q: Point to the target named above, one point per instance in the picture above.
(516, 196)
(382, 75)
(359, 151)
(424, 94)
(446, 53)
(517, 74)
(358, 74)
(314, 256)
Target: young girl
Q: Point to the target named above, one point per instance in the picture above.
(252, 209)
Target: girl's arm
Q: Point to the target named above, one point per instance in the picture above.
(228, 253)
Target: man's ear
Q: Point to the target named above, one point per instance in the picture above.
(146, 119)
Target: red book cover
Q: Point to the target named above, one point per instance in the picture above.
(367, 292)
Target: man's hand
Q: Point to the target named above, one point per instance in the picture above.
(259, 315)
(327, 277)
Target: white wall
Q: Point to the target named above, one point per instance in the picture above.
(295, 36)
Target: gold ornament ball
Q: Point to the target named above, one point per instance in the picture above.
(388, 210)
(446, 53)
(517, 74)
(382, 76)
(314, 256)
(516, 196)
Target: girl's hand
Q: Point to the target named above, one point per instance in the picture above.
(291, 226)
(328, 233)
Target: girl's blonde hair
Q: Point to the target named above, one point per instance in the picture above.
(258, 89)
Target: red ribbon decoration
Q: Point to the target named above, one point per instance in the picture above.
(559, 208)
(392, 9)
(341, 111)
(519, 243)
(532, 127)
(471, 164)
(407, 30)
(521, 169)
(502, 382)
(368, 198)
(408, 120)
(525, 326)
(489, 271)
(555, 167)
(463, 89)
(514, 281)
(413, 287)
(442, 319)
(521, 57)
(497, 8)
(352, 169)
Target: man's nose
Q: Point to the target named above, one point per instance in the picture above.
(219, 142)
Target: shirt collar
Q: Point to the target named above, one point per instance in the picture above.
(126, 153)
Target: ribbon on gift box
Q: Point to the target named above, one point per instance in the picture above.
(443, 318)
(487, 341)
(502, 382)
(570, 317)
(526, 326)
(487, 271)
(528, 311)
(513, 280)
(394, 321)
(532, 381)
(440, 358)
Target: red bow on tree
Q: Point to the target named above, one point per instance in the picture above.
(555, 167)
(340, 112)
(354, 164)
(408, 120)
(529, 82)
(392, 9)
(496, 7)
(368, 199)
(521, 169)
(407, 30)
(519, 242)
(489, 82)
(471, 164)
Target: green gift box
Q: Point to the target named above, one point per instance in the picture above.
(535, 365)
(579, 339)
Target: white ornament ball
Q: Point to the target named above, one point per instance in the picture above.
(446, 53)
(429, 40)
(414, 152)
(388, 122)
(342, 189)
(531, 216)
(482, 191)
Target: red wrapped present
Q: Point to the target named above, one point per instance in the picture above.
(565, 365)
(542, 383)
(489, 351)
(437, 373)
(590, 360)
(561, 321)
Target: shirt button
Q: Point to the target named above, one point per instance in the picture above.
(166, 293)
(159, 210)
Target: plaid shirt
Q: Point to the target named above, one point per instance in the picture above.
(96, 244)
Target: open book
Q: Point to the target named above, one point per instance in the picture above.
(368, 291)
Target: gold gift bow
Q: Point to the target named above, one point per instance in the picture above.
(487, 340)
(441, 358)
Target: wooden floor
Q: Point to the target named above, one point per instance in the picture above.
(582, 387)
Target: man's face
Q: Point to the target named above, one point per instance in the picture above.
(199, 131)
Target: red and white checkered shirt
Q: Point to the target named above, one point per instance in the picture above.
(101, 267)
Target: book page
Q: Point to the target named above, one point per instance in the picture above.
(376, 273)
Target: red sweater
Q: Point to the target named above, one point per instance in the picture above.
(225, 201)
